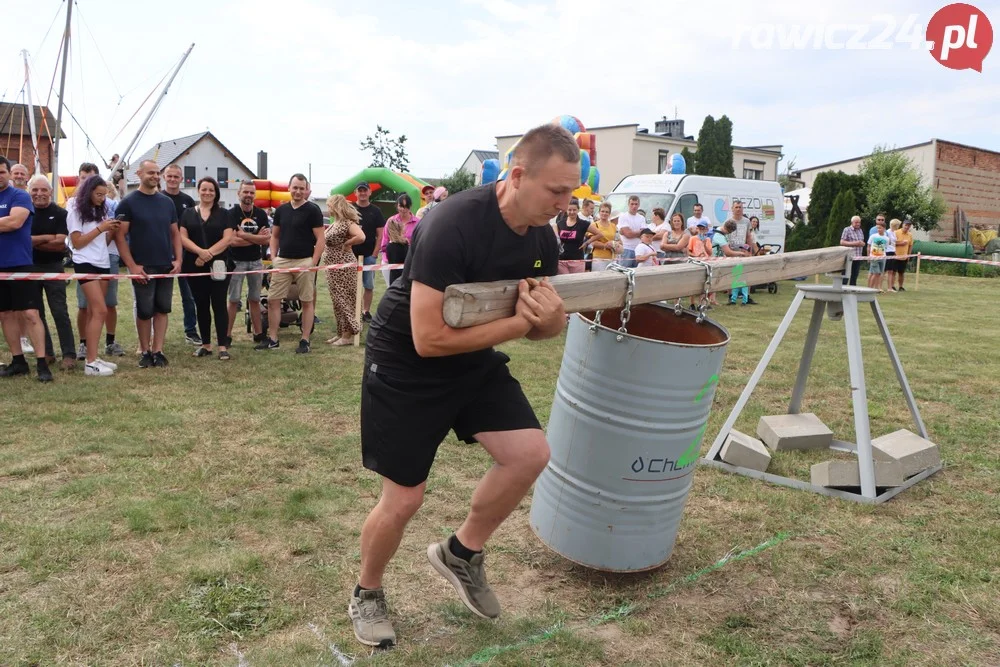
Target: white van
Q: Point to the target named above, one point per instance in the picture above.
(678, 193)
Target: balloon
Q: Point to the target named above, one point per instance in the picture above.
(584, 166)
(491, 169)
(571, 123)
(676, 164)
(594, 179)
(509, 155)
(583, 192)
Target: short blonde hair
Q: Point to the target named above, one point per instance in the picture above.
(894, 224)
(339, 208)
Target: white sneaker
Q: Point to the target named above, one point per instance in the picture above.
(107, 364)
(97, 370)
(26, 347)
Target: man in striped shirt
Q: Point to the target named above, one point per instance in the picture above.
(854, 237)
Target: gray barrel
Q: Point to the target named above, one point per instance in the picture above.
(625, 431)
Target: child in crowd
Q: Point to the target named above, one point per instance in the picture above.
(645, 253)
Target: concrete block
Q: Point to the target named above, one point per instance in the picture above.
(842, 474)
(803, 431)
(745, 451)
(908, 449)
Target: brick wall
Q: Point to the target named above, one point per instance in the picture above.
(18, 149)
(970, 178)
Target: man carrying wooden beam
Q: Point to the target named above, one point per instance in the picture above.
(424, 378)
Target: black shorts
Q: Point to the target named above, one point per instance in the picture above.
(155, 297)
(17, 295)
(404, 419)
(83, 267)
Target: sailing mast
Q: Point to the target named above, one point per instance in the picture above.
(31, 114)
(62, 90)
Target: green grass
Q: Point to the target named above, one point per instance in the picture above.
(212, 510)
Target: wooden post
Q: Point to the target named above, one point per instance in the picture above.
(477, 303)
(357, 301)
(916, 287)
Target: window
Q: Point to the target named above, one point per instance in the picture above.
(663, 161)
(686, 205)
(190, 176)
(222, 176)
(647, 202)
(753, 170)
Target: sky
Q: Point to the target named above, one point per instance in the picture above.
(307, 80)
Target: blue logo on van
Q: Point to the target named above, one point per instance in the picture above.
(721, 210)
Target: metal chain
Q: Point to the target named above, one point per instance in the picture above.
(626, 312)
(707, 289)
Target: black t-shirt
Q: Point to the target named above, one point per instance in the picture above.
(206, 233)
(150, 218)
(297, 239)
(372, 220)
(464, 239)
(181, 201)
(48, 220)
(251, 224)
(572, 237)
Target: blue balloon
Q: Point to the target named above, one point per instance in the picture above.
(571, 123)
(677, 164)
(491, 170)
(584, 166)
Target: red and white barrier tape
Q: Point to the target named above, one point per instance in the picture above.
(129, 276)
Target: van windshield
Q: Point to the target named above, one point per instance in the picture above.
(647, 202)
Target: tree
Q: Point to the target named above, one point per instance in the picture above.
(845, 206)
(825, 188)
(891, 183)
(689, 160)
(458, 180)
(724, 146)
(386, 151)
(785, 177)
(715, 148)
(706, 148)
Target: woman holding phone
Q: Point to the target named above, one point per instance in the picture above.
(206, 232)
(90, 229)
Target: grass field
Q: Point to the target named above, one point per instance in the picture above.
(209, 513)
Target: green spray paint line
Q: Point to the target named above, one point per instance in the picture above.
(690, 454)
(737, 274)
(712, 380)
(483, 656)
(719, 564)
(622, 611)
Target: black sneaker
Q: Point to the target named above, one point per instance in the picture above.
(259, 338)
(266, 344)
(159, 361)
(15, 369)
(146, 360)
(192, 338)
(749, 302)
(44, 374)
(303, 347)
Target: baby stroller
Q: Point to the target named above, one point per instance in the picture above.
(290, 311)
(772, 288)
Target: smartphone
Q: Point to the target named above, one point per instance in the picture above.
(120, 217)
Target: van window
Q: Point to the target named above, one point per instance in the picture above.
(647, 202)
(686, 205)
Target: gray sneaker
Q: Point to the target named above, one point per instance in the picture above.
(114, 350)
(81, 352)
(468, 578)
(370, 615)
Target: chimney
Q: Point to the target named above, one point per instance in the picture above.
(670, 128)
(262, 165)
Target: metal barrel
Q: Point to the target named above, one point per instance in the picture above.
(625, 433)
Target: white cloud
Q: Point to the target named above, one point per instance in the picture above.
(307, 80)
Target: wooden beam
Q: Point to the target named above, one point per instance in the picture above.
(470, 304)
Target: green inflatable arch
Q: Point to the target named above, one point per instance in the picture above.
(387, 178)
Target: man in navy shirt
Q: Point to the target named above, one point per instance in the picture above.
(19, 299)
(149, 243)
